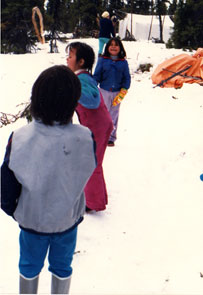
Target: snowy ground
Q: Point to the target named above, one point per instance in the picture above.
(150, 238)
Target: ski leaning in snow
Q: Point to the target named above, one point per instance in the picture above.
(169, 78)
(184, 76)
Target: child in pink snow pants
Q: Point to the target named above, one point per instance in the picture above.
(92, 113)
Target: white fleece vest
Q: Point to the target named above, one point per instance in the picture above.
(53, 164)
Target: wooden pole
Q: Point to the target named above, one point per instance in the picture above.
(40, 35)
(150, 29)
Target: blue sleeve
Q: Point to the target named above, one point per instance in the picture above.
(10, 187)
(98, 71)
(126, 77)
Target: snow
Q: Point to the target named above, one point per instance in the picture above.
(149, 240)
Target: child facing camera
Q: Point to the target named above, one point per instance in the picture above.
(113, 76)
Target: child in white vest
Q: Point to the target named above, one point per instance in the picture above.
(46, 167)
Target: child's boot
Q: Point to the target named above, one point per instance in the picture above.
(60, 285)
(28, 286)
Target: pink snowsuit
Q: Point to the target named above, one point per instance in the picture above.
(98, 120)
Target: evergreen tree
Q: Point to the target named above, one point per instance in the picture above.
(139, 6)
(65, 24)
(17, 32)
(115, 5)
(160, 9)
(142, 7)
(188, 25)
(172, 8)
(105, 5)
(53, 22)
(58, 16)
(88, 13)
(84, 13)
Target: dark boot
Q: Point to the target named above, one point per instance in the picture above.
(28, 286)
(60, 285)
(111, 143)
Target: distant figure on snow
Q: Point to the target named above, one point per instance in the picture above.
(106, 31)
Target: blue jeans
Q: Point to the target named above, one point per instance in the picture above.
(102, 42)
(34, 248)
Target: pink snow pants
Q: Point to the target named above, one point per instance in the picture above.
(100, 123)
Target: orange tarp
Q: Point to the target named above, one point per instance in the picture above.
(176, 64)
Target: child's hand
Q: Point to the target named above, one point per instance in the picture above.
(119, 97)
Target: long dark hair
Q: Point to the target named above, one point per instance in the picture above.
(85, 52)
(122, 53)
(54, 95)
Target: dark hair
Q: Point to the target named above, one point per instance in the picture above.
(83, 51)
(122, 53)
(54, 95)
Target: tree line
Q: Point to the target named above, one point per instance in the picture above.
(67, 16)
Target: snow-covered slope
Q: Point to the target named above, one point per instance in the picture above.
(150, 238)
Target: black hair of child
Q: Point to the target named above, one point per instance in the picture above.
(54, 95)
(85, 52)
(122, 53)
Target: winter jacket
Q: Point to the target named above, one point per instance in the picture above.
(43, 176)
(112, 75)
(106, 28)
(90, 96)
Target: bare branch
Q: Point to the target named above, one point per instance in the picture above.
(6, 118)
